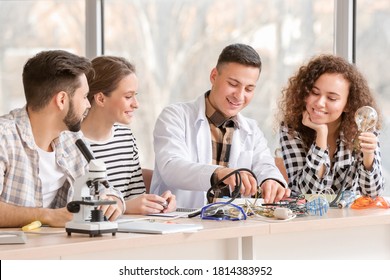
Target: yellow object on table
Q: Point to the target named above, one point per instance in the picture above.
(33, 225)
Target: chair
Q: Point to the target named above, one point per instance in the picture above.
(147, 175)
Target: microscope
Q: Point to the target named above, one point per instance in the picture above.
(87, 217)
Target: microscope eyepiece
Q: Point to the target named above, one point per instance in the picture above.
(84, 150)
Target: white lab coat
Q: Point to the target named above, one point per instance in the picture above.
(183, 153)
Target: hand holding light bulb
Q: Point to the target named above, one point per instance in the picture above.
(366, 118)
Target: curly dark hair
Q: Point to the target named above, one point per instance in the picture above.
(292, 102)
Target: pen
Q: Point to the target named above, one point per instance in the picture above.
(33, 225)
(164, 204)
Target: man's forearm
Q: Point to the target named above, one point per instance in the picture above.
(17, 216)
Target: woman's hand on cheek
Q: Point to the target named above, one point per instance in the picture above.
(306, 121)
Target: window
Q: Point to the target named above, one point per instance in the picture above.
(372, 58)
(174, 45)
(28, 27)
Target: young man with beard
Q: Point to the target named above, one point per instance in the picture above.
(39, 160)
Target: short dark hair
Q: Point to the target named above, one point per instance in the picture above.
(108, 71)
(50, 72)
(241, 54)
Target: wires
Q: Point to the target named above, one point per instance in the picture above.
(297, 205)
(219, 184)
(213, 192)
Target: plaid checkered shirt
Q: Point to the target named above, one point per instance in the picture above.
(346, 169)
(222, 130)
(19, 163)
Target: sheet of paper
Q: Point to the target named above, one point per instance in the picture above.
(179, 213)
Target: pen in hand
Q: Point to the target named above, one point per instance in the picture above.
(164, 204)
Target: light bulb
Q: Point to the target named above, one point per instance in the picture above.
(366, 118)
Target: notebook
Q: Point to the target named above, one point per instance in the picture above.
(12, 237)
(156, 227)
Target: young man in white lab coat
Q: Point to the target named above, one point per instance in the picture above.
(198, 143)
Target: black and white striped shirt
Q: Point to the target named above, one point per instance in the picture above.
(346, 169)
(120, 154)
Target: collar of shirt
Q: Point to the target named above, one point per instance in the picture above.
(216, 117)
(22, 122)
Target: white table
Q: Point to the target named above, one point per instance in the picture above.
(341, 234)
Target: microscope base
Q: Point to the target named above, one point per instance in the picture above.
(91, 228)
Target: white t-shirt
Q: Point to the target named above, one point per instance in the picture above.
(51, 176)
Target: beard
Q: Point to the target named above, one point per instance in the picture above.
(72, 122)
